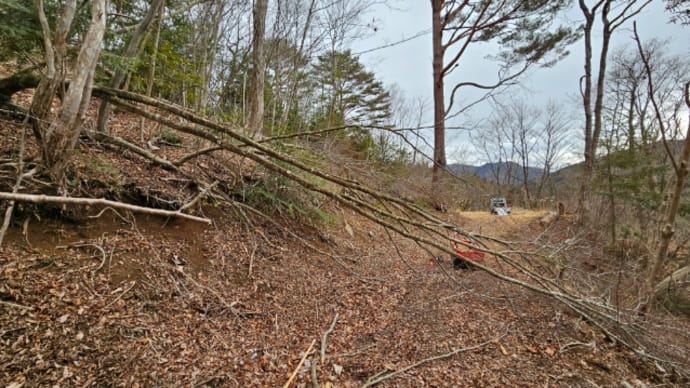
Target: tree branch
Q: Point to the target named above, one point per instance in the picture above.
(381, 376)
(299, 365)
(33, 198)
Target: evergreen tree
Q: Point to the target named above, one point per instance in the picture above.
(16, 37)
(348, 93)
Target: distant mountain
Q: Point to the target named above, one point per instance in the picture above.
(489, 171)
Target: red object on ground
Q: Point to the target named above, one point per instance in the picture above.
(471, 253)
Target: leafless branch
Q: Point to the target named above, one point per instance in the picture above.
(33, 198)
(324, 338)
(299, 365)
(385, 376)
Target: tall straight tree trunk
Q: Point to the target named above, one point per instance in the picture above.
(586, 91)
(293, 77)
(593, 114)
(256, 113)
(150, 76)
(439, 102)
(58, 140)
(130, 53)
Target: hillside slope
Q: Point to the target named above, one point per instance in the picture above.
(280, 286)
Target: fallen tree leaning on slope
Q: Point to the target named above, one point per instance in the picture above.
(407, 220)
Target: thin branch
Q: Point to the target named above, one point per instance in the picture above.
(15, 305)
(166, 164)
(198, 197)
(655, 105)
(17, 184)
(294, 373)
(324, 338)
(381, 376)
(195, 154)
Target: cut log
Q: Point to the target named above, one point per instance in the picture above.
(552, 216)
(548, 219)
(679, 275)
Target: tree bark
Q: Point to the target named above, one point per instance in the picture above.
(256, 114)
(593, 115)
(439, 102)
(130, 53)
(588, 164)
(63, 133)
(665, 285)
(54, 54)
(667, 230)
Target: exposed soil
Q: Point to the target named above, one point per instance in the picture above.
(120, 300)
(176, 303)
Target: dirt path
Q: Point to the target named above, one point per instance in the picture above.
(169, 305)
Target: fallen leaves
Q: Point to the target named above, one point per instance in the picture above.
(174, 306)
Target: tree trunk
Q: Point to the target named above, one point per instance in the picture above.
(59, 138)
(593, 116)
(667, 231)
(54, 54)
(256, 114)
(439, 103)
(130, 53)
(586, 91)
(293, 77)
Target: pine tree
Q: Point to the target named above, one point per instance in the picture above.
(348, 93)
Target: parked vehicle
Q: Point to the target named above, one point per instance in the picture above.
(499, 206)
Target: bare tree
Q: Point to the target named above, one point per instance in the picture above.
(524, 121)
(407, 117)
(58, 137)
(497, 141)
(681, 166)
(680, 10)
(553, 140)
(593, 95)
(130, 53)
(256, 113)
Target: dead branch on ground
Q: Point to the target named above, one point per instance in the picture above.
(299, 365)
(324, 338)
(404, 218)
(667, 283)
(184, 159)
(15, 305)
(17, 185)
(322, 358)
(34, 198)
(199, 196)
(381, 376)
(122, 143)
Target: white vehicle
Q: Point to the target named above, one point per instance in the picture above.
(499, 206)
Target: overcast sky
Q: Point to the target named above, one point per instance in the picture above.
(408, 65)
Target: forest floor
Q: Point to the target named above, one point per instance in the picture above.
(166, 303)
(123, 300)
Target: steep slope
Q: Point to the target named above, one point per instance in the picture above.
(94, 298)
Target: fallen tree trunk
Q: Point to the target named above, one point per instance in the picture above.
(33, 198)
(17, 82)
(552, 216)
(666, 284)
(404, 218)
